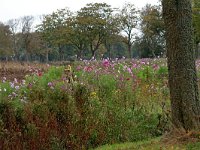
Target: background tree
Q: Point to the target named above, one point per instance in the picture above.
(77, 32)
(128, 17)
(185, 104)
(196, 25)
(26, 23)
(54, 30)
(14, 28)
(95, 19)
(61, 38)
(112, 37)
(152, 27)
(5, 41)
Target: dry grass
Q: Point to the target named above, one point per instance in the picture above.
(180, 138)
(18, 70)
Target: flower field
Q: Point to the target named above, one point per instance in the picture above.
(83, 105)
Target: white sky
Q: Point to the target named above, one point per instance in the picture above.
(13, 9)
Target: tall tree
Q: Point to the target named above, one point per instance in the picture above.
(185, 104)
(95, 19)
(54, 30)
(26, 28)
(113, 26)
(14, 28)
(77, 33)
(128, 17)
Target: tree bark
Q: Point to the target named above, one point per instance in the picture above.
(129, 50)
(47, 56)
(184, 95)
(196, 50)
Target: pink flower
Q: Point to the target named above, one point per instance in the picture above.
(39, 74)
(15, 80)
(78, 68)
(135, 65)
(155, 66)
(129, 70)
(106, 63)
(88, 69)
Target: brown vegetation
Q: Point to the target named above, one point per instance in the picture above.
(12, 70)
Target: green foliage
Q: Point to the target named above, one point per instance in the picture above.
(5, 40)
(6, 89)
(196, 20)
(99, 106)
(193, 146)
(145, 145)
(89, 30)
(196, 25)
(107, 85)
(152, 41)
(31, 130)
(146, 73)
(97, 24)
(162, 71)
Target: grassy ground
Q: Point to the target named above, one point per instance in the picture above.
(153, 144)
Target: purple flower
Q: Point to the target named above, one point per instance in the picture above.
(17, 87)
(30, 85)
(12, 85)
(50, 84)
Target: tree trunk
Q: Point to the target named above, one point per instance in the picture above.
(93, 54)
(27, 57)
(185, 105)
(196, 50)
(129, 50)
(47, 56)
(80, 53)
(93, 50)
(109, 51)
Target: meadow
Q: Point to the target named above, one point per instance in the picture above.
(83, 105)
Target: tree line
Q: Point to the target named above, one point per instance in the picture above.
(95, 31)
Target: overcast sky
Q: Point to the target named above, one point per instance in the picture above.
(12, 9)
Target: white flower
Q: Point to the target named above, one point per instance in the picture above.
(4, 79)
(17, 87)
(12, 85)
(5, 89)
(23, 81)
(15, 80)
(14, 94)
